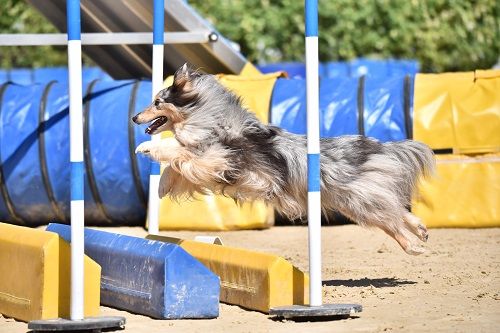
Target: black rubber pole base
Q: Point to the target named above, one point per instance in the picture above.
(315, 312)
(87, 324)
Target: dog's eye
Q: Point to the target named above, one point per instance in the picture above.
(157, 103)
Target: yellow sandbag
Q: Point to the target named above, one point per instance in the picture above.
(458, 111)
(35, 275)
(254, 280)
(464, 193)
(217, 212)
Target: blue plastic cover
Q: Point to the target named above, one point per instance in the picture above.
(338, 108)
(295, 70)
(34, 154)
(108, 156)
(335, 69)
(383, 107)
(354, 68)
(26, 76)
(148, 277)
(383, 113)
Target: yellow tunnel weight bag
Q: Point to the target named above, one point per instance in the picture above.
(459, 113)
(35, 275)
(214, 212)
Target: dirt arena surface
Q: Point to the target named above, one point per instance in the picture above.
(453, 287)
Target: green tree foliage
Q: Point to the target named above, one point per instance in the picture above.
(444, 35)
(17, 17)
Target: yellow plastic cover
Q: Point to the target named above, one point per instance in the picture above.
(254, 280)
(459, 111)
(35, 275)
(219, 212)
(464, 193)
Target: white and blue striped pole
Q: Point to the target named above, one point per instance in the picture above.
(157, 84)
(76, 157)
(313, 153)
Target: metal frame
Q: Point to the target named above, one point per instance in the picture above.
(108, 38)
(107, 16)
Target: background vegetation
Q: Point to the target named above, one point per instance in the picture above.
(443, 35)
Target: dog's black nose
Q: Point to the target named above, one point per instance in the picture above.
(134, 118)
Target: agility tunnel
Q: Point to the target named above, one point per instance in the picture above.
(35, 275)
(156, 279)
(34, 152)
(253, 280)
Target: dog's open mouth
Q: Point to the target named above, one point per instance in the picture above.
(156, 124)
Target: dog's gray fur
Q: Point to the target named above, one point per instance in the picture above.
(227, 150)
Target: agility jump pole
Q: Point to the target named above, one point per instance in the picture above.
(313, 153)
(315, 308)
(76, 157)
(157, 85)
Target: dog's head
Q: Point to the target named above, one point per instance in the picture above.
(170, 104)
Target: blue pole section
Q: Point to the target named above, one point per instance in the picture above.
(76, 157)
(157, 84)
(313, 153)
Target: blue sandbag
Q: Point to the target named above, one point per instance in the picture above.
(34, 153)
(157, 279)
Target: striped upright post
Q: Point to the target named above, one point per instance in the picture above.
(313, 153)
(78, 322)
(157, 84)
(76, 157)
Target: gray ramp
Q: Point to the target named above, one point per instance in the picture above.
(134, 61)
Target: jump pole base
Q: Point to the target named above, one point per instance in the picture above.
(321, 312)
(95, 324)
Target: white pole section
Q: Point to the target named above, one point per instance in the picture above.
(157, 84)
(313, 153)
(76, 157)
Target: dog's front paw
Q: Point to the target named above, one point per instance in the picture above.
(144, 148)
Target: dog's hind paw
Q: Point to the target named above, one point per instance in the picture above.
(414, 250)
(422, 233)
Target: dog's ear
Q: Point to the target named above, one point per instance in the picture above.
(182, 78)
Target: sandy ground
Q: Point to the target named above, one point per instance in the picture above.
(453, 287)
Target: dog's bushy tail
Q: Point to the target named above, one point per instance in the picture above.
(416, 161)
